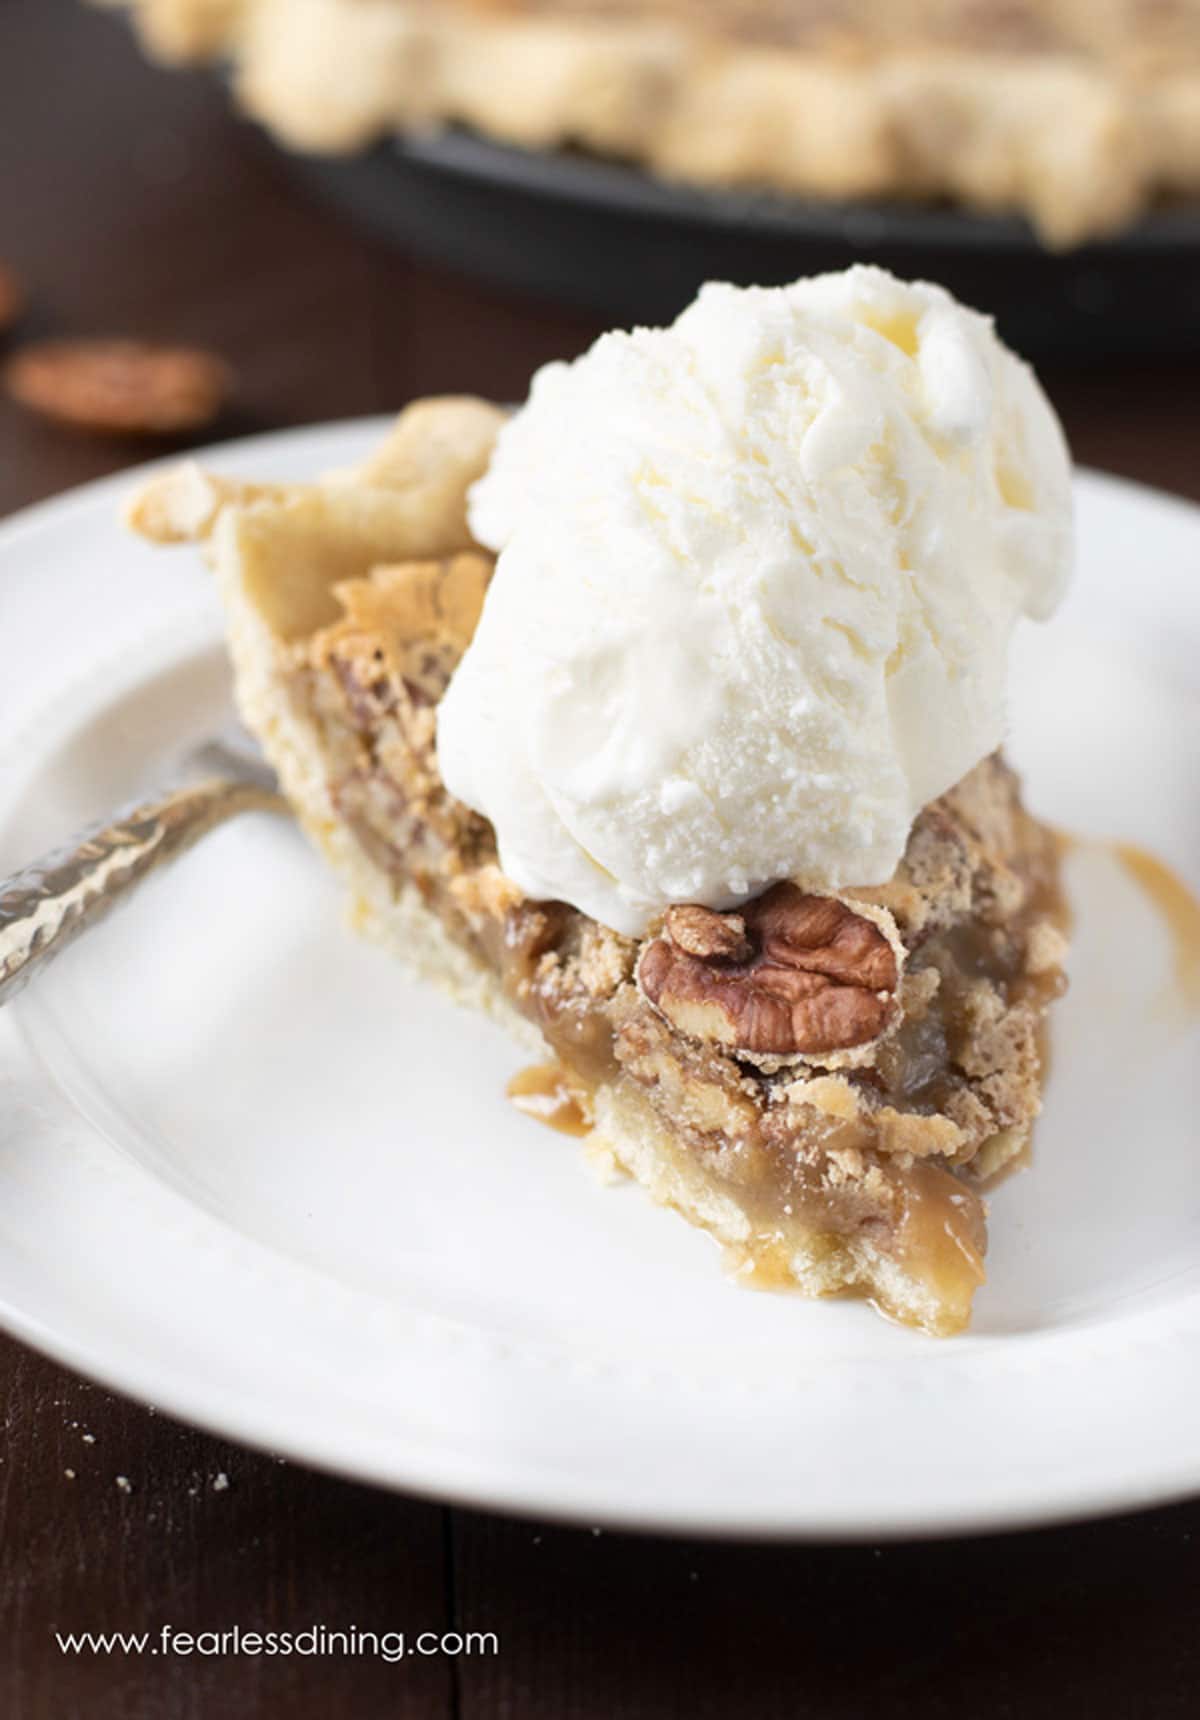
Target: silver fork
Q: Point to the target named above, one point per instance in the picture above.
(49, 902)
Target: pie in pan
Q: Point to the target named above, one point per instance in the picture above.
(1077, 113)
(824, 1082)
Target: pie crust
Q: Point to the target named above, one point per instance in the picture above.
(1076, 113)
(823, 1083)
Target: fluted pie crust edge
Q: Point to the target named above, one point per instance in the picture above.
(1075, 114)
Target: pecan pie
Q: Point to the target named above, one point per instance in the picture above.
(1074, 113)
(823, 1082)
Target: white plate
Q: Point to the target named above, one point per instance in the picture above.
(251, 1173)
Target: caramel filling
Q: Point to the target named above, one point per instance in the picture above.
(938, 1241)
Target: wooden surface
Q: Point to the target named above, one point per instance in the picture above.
(132, 202)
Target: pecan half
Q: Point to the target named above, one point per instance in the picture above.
(792, 975)
(12, 297)
(700, 932)
(119, 387)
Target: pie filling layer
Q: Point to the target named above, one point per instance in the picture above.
(836, 1163)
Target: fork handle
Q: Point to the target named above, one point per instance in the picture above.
(49, 902)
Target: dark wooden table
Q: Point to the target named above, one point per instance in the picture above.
(132, 202)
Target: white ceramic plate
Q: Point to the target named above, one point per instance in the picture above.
(251, 1173)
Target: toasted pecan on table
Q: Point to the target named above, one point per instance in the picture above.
(12, 297)
(120, 387)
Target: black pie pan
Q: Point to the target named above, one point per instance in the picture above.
(614, 239)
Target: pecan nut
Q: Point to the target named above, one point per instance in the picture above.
(119, 387)
(792, 975)
(12, 297)
(701, 932)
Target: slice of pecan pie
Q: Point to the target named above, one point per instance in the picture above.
(823, 1082)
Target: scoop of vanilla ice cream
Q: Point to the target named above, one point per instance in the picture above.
(757, 577)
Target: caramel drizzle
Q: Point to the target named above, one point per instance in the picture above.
(1179, 909)
(1174, 900)
(546, 1092)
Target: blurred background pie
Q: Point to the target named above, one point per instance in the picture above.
(1077, 113)
(1031, 154)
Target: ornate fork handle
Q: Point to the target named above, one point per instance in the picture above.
(48, 903)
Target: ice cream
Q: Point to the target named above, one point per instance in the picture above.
(757, 578)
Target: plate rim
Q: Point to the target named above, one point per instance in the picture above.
(493, 1493)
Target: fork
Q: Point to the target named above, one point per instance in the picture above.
(49, 902)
